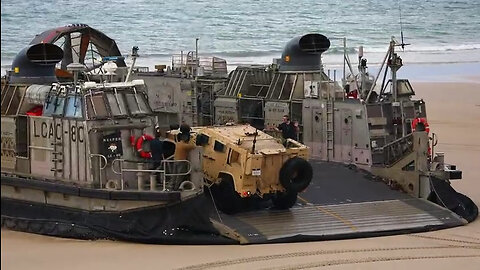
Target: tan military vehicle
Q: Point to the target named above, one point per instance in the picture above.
(240, 162)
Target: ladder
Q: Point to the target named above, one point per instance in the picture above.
(194, 103)
(330, 123)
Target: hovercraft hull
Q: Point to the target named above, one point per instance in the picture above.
(167, 221)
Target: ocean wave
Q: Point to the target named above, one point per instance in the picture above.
(422, 54)
(418, 48)
(332, 50)
(445, 48)
(248, 53)
(218, 53)
(339, 50)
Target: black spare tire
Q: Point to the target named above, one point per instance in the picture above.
(296, 174)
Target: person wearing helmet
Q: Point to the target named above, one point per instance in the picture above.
(156, 146)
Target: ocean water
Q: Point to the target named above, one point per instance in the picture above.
(255, 31)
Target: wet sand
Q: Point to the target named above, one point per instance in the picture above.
(454, 114)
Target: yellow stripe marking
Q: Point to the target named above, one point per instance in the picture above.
(333, 214)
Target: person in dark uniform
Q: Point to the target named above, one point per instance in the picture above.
(156, 146)
(288, 128)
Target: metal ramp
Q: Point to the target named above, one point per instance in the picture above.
(326, 222)
(348, 206)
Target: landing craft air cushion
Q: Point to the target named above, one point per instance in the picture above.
(70, 162)
(380, 133)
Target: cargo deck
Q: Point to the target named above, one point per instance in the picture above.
(340, 203)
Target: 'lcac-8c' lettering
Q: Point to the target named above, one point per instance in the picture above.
(48, 130)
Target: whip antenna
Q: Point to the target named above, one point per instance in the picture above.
(401, 26)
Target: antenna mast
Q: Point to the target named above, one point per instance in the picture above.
(254, 140)
(401, 26)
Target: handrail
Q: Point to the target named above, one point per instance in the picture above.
(178, 161)
(102, 157)
(406, 137)
(391, 151)
(163, 172)
(113, 165)
(121, 170)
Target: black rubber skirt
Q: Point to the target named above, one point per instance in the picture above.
(186, 222)
(444, 195)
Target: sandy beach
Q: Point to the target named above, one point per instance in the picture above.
(454, 115)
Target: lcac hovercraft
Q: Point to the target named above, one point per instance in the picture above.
(75, 162)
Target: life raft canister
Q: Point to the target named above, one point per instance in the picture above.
(139, 146)
(422, 121)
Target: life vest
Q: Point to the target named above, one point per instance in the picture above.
(420, 120)
(139, 146)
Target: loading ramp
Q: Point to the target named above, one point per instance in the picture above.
(341, 202)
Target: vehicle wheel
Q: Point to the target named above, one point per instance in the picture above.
(225, 197)
(284, 200)
(296, 174)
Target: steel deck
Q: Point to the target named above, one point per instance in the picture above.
(340, 203)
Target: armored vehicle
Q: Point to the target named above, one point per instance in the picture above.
(241, 162)
(75, 159)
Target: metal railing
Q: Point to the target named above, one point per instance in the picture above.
(395, 150)
(100, 167)
(164, 172)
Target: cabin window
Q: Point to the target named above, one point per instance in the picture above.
(137, 104)
(117, 104)
(298, 88)
(96, 107)
(288, 88)
(202, 139)
(219, 147)
(233, 157)
(54, 106)
(278, 84)
(74, 107)
(11, 97)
